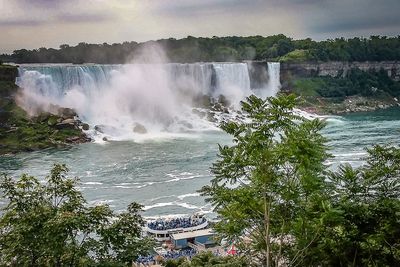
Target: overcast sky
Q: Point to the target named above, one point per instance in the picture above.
(49, 23)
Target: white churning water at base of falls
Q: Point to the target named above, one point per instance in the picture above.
(161, 97)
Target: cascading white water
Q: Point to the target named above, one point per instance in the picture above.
(274, 83)
(233, 81)
(158, 96)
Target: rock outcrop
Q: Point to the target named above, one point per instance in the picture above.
(8, 73)
(20, 132)
(139, 128)
(334, 69)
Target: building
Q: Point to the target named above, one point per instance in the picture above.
(200, 239)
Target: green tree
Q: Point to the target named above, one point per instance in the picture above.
(207, 259)
(51, 224)
(270, 182)
(363, 226)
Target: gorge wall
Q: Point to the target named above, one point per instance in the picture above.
(335, 68)
(8, 73)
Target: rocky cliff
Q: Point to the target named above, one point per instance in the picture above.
(348, 91)
(20, 132)
(8, 73)
(334, 69)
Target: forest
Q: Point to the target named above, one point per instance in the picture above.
(233, 48)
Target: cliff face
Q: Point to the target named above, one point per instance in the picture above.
(8, 73)
(336, 96)
(309, 69)
(19, 132)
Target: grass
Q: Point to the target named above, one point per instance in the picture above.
(308, 86)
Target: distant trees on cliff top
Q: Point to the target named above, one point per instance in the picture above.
(192, 49)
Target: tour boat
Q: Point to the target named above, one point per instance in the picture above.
(162, 228)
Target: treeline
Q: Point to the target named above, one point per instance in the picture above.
(233, 48)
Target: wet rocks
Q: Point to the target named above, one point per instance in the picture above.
(66, 113)
(77, 139)
(139, 128)
(85, 126)
(101, 128)
(67, 124)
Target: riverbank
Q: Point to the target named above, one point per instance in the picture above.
(332, 91)
(341, 106)
(20, 132)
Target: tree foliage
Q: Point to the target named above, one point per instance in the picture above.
(50, 224)
(207, 259)
(278, 202)
(231, 48)
(267, 183)
(362, 228)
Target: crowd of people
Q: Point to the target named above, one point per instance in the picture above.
(174, 223)
(188, 253)
(146, 260)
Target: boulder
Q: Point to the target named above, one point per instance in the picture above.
(105, 128)
(68, 121)
(42, 117)
(66, 124)
(139, 128)
(77, 139)
(73, 139)
(203, 101)
(85, 126)
(211, 118)
(99, 128)
(66, 113)
(223, 101)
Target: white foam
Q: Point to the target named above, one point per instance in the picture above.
(181, 197)
(93, 183)
(174, 203)
(351, 154)
(101, 202)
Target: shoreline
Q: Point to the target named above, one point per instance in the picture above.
(355, 104)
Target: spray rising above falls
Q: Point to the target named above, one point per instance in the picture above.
(163, 98)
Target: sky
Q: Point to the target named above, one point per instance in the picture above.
(49, 23)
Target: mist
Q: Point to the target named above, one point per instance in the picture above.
(162, 99)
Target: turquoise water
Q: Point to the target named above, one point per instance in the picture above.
(165, 174)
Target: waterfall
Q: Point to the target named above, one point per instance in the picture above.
(274, 83)
(159, 96)
(232, 81)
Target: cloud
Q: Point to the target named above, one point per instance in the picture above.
(355, 16)
(43, 4)
(206, 7)
(84, 17)
(70, 21)
(21, 22)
